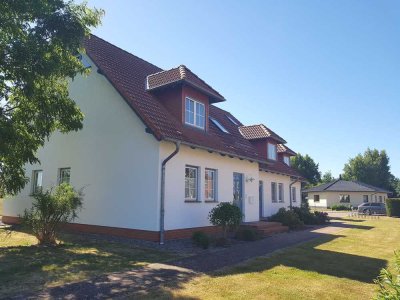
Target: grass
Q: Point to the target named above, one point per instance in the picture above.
(338, 266)
(25, 267)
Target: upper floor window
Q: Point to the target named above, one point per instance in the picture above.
(219, 125)
(232, 120)
(286, 160)
(37, 181)
(271, 151)
(64, 175)
(195, 113)
(191, 183)
(280, 192)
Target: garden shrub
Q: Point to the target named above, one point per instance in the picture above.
(226, 215)
(49, 210)
(389, 283)
(288, 218)
(322, 217)
(247, 234)
(393, 207)
(200, 239)
(340, 207)
(311, 218)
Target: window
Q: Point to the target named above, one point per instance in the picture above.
(344, 198)
(293, 194)
(37, 181)
(194, 113)
(365, 198)
(64, 175)
(286, 160)
(210, 185)
(316, 198)
(191, 183)
(271, 151)
(232, 120)
(273, 191)
(376, 199)
(280, 192)
(218, 124)
(380, 199)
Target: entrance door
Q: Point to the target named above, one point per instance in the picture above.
(261, 198)
(238, 190)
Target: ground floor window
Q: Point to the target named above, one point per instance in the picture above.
(280, 192)
(191, 183)
(273, 192)
(64, 175)
(293, 193)
(365, 198)
(380, 199)
(316, 198)
(37, 181)
(344, 198)
(210, 184)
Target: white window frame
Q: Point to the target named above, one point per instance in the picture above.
(196, 182)
(294, 194)
(274, 192)
(213, 183)
(35, 180)
(365, 197)
(61, 177)
(316, 196)
(219, 125)
(380, 199)
(286, 160)
(344, 198)
(271, 151)
(232, 120)
(281, 194)
(195, 113)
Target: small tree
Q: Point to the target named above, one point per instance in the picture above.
(49, 210)
(389, 283)
(226, 215)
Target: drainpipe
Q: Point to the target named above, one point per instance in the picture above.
(162, 206)
(290, 192)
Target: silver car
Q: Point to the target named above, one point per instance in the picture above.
(372, 208)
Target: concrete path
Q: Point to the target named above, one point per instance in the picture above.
(177, 272)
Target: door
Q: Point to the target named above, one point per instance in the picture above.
(238, 190)
(261, 198)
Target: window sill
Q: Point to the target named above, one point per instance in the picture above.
(192, 201)
(210, 201)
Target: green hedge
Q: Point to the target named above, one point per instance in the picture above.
(393, 207)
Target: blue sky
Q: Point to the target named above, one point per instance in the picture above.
(325, 75)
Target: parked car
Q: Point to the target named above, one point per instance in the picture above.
(372, 208)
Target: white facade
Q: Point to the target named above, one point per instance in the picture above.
(328, 199)
(119, 166)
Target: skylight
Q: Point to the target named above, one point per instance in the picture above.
(232, 120)
(218, 124)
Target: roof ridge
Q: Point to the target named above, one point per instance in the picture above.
(126, 51)
(332, 183)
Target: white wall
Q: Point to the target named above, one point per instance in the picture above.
(332, 198)
(269, 207)
(178, 213)
(112, 157)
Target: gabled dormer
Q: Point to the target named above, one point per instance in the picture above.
(264, 139)
(185, 95)
(284, 153)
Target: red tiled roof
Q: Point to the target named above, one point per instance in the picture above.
(255, 132)
(128, 74)
(180, 74)
(285, 149)
(281, 168)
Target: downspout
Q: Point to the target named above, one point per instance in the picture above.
(162, 200)
(290, 192)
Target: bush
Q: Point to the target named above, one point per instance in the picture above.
(321, 217)
(49, 210)
(393, 207)
(200, 239)
(389, 283)
(311, 218)
(248, 234)
(226, 215)
(340, 207)
(288, 218)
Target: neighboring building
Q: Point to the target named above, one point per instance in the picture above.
(342, 192)
(141, 120)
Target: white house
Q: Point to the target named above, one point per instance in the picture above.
(342, 192)
(155, 154)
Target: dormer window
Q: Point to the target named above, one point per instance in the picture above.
(219, 125)
(271, 151)
(194, 113)
(286, 160)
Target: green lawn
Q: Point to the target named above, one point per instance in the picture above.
(339, 266)
(25, 267)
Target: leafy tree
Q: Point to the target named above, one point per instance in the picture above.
(372, 167)
(39, 46)
(327, 177)
(307, 167)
